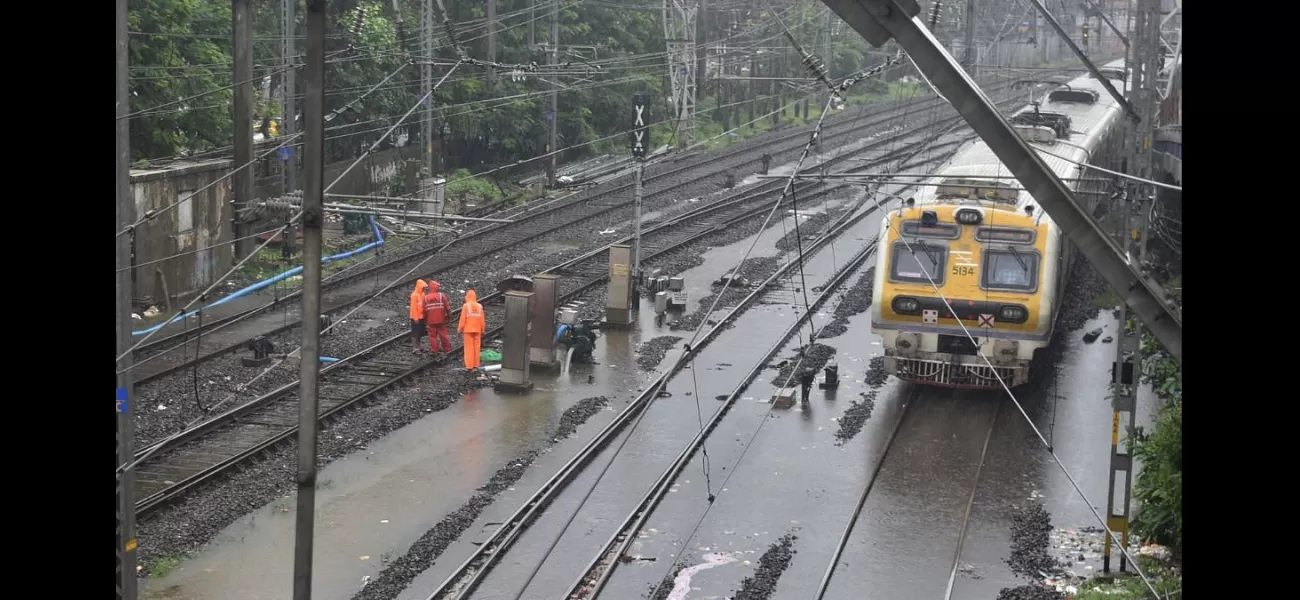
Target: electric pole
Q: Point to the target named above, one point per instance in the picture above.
(640, 139)
(309, 367)
(701, 41)
(126, 543)
(532, 26)
(968, 44)
(288, 107)
(1142, 77)
(828, 53)
(492, 43)
(242, 18)
(553, 114)
(679, 32)
(426, 81)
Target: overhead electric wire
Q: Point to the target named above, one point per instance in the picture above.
(1069, 477)
(150, 215)
(295, 217)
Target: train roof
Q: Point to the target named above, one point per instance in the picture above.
(1090, 111)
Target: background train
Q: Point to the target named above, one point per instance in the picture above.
(996, 256)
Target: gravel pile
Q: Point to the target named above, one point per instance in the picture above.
(814, 358)
(1031, 530)
(755, 270)
(651, 353)
(1081, 289)
(665, 587)
(762, 584)
(809, 229)
(399, 574)
(855, 417)
(1029, 592)
(853, 302)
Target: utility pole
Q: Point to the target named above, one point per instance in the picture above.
(679, 32)
(288, 106)
(532, 26)
(492, 43)
(1143, 80)
(701, 44)
(309, 368)
(426, 81)
(242, 17)
(126, 543)
(968, 44)
(640, 139)
(828, 53)
(553, 116)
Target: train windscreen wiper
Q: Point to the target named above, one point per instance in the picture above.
(1016, 255)
(928, 252)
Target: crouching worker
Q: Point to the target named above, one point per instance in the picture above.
(437, 312)
(417, 315)
(471, 326)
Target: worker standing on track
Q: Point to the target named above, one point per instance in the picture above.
(437, 312)
(471, 326)
(417, 315)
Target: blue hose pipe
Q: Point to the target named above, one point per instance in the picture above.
(559, 332)
(261, 285)
(326, 359)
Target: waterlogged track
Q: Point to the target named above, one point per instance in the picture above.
(935, 455)
(175, 353)
(554, 503)
(177, 465)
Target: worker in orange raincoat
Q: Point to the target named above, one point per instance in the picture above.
(417, 315)
(437, 312)
(471, 325)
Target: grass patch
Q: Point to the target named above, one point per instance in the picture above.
(1128, 586)
(163, 566)
(1107, 300)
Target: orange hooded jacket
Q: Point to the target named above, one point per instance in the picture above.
(437, 308)
(417, 300)
(471, 315)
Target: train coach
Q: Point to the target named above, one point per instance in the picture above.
(972, 248)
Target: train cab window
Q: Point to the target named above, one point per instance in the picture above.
(923, 259)
(1010, 270)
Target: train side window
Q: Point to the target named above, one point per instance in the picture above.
(928, 259)
(1007, 270)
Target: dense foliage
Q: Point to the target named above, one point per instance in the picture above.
(182, 72)
(1159, 486)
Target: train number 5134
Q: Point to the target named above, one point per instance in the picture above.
(962, 271)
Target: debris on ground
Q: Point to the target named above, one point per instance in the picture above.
(762, 584)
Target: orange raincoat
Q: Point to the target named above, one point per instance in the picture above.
(472, 324)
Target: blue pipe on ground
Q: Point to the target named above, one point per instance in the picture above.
(326, 359)
(261, 285)
(559, 332)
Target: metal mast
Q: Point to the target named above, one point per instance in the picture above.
(679, 32)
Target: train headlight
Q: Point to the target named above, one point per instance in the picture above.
(969, 216)
(906, 306)
(929, 218)
(1013, 314)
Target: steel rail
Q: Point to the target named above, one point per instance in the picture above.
(203, 428)
(470, 573)
(182, 338)
(176, 490)
(622, 537)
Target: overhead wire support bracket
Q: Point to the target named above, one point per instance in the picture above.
(1104, 17)
(882, 20)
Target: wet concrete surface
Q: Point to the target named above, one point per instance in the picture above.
(667, 427)
(374, 504)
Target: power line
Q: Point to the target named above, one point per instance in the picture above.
(890, 222)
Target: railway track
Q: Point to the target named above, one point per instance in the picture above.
(471, 573)
(170, 355)
(204, 452)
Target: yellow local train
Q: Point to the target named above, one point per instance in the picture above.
(999, 260)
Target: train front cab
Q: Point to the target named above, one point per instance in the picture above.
(993, 265)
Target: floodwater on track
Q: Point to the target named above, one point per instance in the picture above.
(374, 503)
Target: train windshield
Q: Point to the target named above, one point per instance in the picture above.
(1010, 270)
(923, 259)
